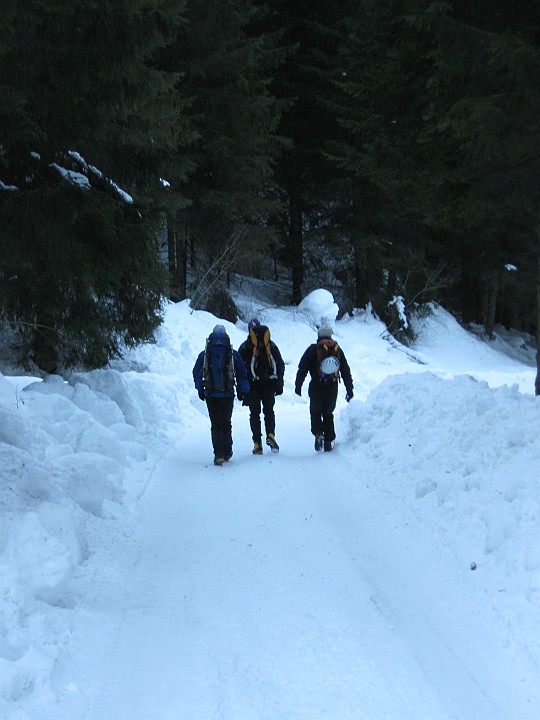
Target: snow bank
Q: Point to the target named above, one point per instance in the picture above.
(464, 458)
(68, 452)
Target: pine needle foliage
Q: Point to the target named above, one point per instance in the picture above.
(93, 127)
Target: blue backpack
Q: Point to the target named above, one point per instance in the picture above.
(218, 365)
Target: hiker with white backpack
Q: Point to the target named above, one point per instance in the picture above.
(327, 364)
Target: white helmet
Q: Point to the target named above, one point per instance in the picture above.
(330, 365)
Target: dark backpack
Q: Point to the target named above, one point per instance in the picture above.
(218, 364)
(328, 359)
(263, 365)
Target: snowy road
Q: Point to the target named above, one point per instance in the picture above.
(274, 588)
(396, 578)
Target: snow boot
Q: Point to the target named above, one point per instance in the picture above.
(319, 441)
(228, 455)
(257, 448)
(271, 442)
(219, 461)
(327, 445)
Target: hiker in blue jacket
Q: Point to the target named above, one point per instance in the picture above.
(217, 370)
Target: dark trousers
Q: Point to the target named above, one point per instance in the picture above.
(322, 403)
(220, 412)
(264, 397)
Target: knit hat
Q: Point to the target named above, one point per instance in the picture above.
(253, 323)
(324, 332)
(219, 330)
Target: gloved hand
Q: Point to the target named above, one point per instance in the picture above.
(298, 391)
(279, 389)
(246, 399)
(201, 394)
(349, 396)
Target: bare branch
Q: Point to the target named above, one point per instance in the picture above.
(221, 265)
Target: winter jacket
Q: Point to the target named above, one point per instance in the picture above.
(240, 374)
(246, 353)
(309, 363)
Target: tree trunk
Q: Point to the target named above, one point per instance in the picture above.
(491, 291)
(469, 287)
(360, 298)
(537, 382)
(296, 241)
(44, 344)
(360, 249)
(362, 285)
(182, 260)
(171, 257)
(177, 235)
(359, 285)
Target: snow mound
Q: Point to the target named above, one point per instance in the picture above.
(320, 307)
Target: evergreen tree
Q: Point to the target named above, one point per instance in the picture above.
(439, 106)
(91, 128)
(226, 63)
(485, 110)
(311, 36)
(379, 100)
